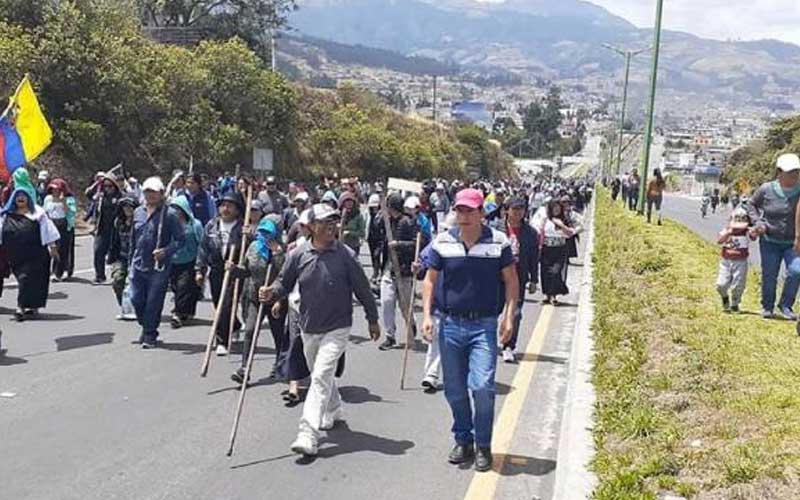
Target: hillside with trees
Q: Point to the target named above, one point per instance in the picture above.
(114, 95)
(754, 164)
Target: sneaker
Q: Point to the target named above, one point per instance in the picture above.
(175, 322)
(767, 314)
(788, 314)
(305, 445)
(149, 344)
(328, 421)
(461, 453)
(222, 350)
(388, 344)
(508, 355)
(735, 309)
(483, 460)
(726, 304)
(99, 281)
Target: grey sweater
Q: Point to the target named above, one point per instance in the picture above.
(328, 279)
(771, 208)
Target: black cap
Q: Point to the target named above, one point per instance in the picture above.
(234, 198)
(395, 202)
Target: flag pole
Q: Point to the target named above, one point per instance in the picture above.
(13, 99)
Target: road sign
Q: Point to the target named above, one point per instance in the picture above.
(263, 159)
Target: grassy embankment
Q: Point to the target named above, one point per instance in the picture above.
(690, 400)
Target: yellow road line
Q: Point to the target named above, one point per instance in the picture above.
(484, 485)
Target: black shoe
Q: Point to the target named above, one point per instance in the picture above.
(483, 460)
(19, 315)
(238, 376)
(726, 303)
(149, 344)
(429, 387)
(175, 322)
(388, 344)
(461, 453)
(735, 309)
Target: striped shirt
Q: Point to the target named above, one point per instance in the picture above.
(470, 282)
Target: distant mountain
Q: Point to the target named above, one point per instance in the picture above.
(547, 38)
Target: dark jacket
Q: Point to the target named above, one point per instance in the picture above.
(328, 280)
(255, 270)
(120, 243)
(211, 254)
(528, 257)
(202, 205)
(146, 237)
(404, 231)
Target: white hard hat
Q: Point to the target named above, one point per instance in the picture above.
(153, 184)
(788, 162)
(374, 201)
(412, 203)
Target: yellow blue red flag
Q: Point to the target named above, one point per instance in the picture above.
(24, 131)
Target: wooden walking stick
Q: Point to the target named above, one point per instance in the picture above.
(248, 367)
(218, 312)
(410, 315)
(242, 257)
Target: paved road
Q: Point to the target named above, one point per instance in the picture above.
(686, 210)
(94, 417)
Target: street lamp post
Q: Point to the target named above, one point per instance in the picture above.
(648, 135)
(628, 55)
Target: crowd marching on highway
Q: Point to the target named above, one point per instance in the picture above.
(287, 254)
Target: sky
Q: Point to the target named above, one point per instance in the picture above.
(720, 19)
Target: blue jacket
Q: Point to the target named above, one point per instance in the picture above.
(145, 233)
(203, 207)
(193, 232)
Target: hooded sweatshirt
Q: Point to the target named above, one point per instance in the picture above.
(193, 231)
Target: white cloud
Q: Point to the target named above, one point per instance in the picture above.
(720, 19)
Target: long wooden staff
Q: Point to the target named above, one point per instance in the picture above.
(218, 312)
(242, 257)
(248, 367)
(395, 262)
(410, 315)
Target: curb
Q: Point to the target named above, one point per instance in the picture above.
(573, 479)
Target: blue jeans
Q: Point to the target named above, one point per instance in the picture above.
(469, 359)
(771, 256)
(148, 290)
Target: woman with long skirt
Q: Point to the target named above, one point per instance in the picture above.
(61, 208)
(554, 234)
(30, 239)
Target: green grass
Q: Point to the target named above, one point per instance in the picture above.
(690, 400)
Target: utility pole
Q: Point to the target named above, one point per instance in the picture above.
(272, 45)
(435, 78)
(648, 134)
(628, 55)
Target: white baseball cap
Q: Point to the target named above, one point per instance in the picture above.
(305, 217)
(153, 184)
(788, 162)
(412, 203)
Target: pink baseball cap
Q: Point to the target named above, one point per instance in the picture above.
(470, 198)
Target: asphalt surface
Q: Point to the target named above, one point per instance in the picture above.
(84, 414)
(686, 210)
